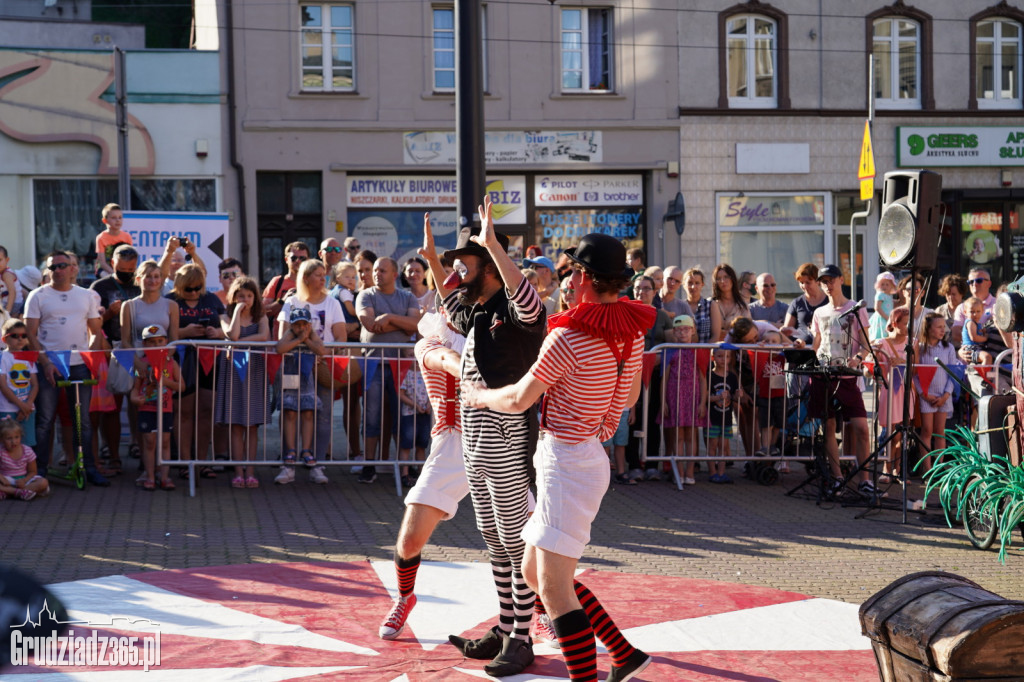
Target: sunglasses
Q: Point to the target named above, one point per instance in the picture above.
(228, 274)
(16, 336)
(977, 280)
(353, 248)
(296, 259)
(19, 374)
(333, 249)
(192, 290)
(59, 266)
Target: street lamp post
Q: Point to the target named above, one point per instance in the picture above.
(470, 169)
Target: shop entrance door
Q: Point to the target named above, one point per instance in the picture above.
(289, 208)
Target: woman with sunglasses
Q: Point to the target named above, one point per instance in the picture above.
(198, 319)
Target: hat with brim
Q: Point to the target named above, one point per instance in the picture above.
(465, 247)
(153, 331)
(540, 261)
(829, 272)
(29, 277)
(602, 254)
(298, 314)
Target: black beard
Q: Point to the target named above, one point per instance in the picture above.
(470, 291)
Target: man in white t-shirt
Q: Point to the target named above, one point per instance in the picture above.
(63, 317)
(840, 340)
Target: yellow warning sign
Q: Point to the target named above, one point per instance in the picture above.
(866, 167)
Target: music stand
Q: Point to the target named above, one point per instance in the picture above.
(804, 362)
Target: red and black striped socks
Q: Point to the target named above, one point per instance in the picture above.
(604, 627)
(406, 569)
(576, 640)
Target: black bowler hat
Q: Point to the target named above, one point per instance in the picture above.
(602, 254)
(465, 247)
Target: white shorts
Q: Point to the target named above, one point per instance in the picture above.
(571, 482)
(442, 483)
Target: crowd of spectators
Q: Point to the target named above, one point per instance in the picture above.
(343, 293)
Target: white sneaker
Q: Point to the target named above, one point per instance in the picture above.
(689, 481)
(285, 476)
(317, 475)
(357, 469)
(782, 467)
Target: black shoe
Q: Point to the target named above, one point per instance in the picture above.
(487, 647)
(97, 479)
(515, 656)
(633, 666)
(837, 488)
(368, 475)
(867, 491)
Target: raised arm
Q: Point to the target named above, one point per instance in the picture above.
(511, 275)
(429, 253)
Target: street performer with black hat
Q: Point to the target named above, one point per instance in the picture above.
(588, 371)
(502, 318)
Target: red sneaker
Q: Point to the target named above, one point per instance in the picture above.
(541, 630)
(395, 622)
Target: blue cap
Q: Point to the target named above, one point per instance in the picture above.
(542, 261)
(299, 315)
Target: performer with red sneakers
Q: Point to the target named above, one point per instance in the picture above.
(588, 371)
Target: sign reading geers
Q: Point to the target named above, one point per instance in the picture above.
(588, 190)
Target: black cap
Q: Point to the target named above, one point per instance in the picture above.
(465, 247)
(829, 272)
(602, 254)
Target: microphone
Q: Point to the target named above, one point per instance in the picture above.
(860, 304)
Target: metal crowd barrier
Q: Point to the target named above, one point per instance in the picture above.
(377, 362)
(797, 436)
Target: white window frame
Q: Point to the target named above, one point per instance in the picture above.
(583, 48)
(434, 34)
(327, 46)
(997, 41)
(894, 101)
(750, 59)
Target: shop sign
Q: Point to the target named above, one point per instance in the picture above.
(507, 192)
(208, 231)
(569, 225)
(771, 211)
(588, 190)
(431, 148)
(922, 147)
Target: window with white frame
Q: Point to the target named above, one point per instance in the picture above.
(328, 48)
(587, 50)
(998, 64)
(751, 58)
(443, 48)
(896, 46)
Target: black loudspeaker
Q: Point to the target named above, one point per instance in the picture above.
(908, 233)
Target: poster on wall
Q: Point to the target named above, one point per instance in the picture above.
(426, 148)
(208, 231)
(560, 229)
(588, 190)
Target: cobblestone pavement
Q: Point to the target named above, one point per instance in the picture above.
(744, 533)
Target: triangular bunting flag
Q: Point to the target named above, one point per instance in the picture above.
(181, 355)
(728, 346)
(125, 357)
(273, 364)
(157, 359)
(306, 363)
(206, 359)
(926, 375)
(369, 367)
(96, 361)
(650, 360)
(26, 355)
(61, 359)
(704, 359)
(897, 378)
(240, 359)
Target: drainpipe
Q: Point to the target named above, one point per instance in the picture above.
(229, 17)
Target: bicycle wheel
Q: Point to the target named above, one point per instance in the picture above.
(979, 525)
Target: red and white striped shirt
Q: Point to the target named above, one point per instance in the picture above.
(587, 395)
(440, 388)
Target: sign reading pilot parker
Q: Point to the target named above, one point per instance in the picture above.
(571, 206)
(931, 147)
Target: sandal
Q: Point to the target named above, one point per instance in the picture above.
(289, 458)
(183, 473)
(148, 485)
(167, 484)
(134, 451)
(252, 482)
(623, 479)
(207, 472)
(308, 458)
(238, 482)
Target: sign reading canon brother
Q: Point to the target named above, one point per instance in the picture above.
(923, 147)
(570, 206)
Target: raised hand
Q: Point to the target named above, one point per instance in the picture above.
(487, 236)
(428, 250)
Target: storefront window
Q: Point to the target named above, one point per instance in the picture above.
(981, 223)
(1016, 242)
(773, 233)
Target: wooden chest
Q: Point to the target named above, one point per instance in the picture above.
(939, 627)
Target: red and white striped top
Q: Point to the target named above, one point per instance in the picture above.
(438, 384)
(587, 395)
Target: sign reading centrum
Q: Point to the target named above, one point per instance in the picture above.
(929, 147)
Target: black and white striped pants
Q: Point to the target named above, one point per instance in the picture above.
(496, 450)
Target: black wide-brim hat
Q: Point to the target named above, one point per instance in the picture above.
(465, 247)
(602, 254)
